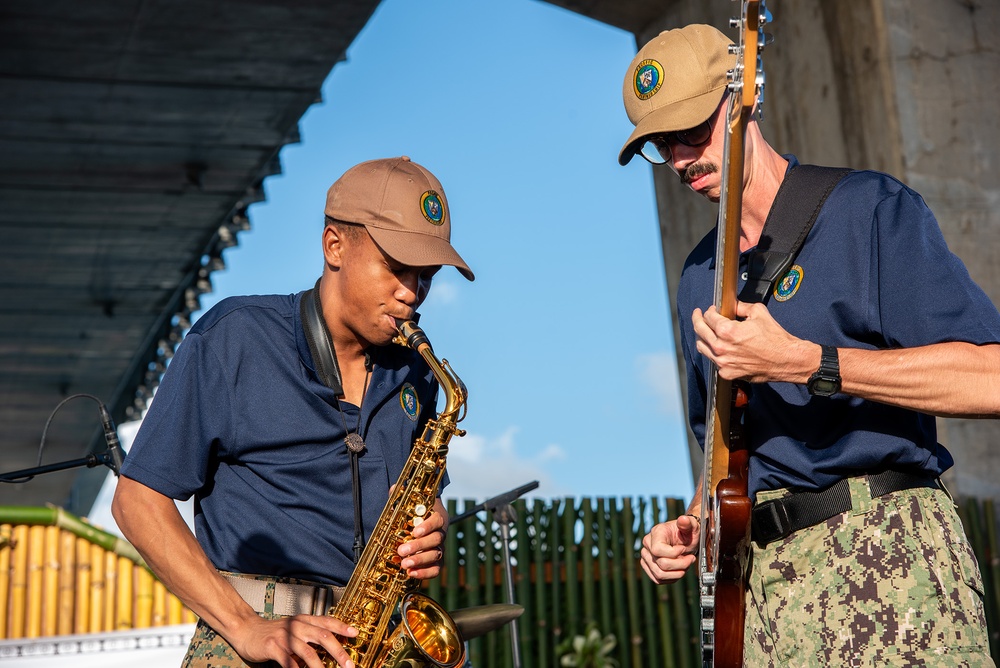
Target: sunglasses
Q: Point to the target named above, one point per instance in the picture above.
(657, 149)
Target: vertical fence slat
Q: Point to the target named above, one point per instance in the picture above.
(603, 567)
(631, 582)
(541, 613)
(67, 583)
(6, 536)
(473, 560)
(618, 586)
(18, 581)
(451, 561)
(556, 601)
(588, 583)
(522, 578)
(571, 552)
(36, 592)
(50, 582)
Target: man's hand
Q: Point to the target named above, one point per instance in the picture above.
(754, 347)
(670, 548)
(423, 553)
(289, 641)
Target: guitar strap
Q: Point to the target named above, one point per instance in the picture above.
(321, 346)
(796, 206)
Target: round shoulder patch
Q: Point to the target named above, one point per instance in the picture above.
(432, 207)
(786, 288)
(409, 402)
(648, 79)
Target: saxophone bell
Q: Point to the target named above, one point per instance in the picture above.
(426, 637)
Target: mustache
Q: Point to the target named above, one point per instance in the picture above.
(696, 170)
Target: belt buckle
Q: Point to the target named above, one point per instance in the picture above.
(770, 522)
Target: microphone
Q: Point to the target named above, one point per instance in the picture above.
(117, 456)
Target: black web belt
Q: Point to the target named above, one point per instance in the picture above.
(778, 518)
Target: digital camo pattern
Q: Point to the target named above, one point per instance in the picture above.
(892, 582)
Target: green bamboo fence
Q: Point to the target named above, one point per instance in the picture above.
(575, 564)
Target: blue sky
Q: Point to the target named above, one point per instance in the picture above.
(564, 339)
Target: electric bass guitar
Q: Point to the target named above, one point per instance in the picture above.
(724, 547)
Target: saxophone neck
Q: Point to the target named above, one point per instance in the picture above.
(455, 392)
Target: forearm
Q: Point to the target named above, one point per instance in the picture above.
(152, 523)
(952, 379)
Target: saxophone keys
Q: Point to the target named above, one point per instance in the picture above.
(420, 510)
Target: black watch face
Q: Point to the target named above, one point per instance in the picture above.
(824, 386)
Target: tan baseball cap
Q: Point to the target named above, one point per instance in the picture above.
(675, 82)
(404, 209)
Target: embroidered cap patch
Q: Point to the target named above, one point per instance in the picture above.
(408, 400)
(786, 288)
(432, 207)
(648, 79)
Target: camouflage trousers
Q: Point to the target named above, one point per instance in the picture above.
(892, 582)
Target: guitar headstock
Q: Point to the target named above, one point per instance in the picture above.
(752, 40)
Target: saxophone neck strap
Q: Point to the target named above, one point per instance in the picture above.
(319, 340)
(328, 370)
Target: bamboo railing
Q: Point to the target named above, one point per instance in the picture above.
(60, 576)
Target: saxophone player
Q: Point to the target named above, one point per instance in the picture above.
(286, 418)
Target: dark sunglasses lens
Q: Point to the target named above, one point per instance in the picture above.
(696, 136)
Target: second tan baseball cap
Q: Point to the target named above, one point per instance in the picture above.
(403, 207)
(675, 82)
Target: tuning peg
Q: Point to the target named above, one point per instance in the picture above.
(734, 22)
(765, 14)
(764, 39)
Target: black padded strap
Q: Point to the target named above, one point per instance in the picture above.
(320, 344)
(796, 207)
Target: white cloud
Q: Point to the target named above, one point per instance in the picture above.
(442, 293)
(658, 373)
(481, 468)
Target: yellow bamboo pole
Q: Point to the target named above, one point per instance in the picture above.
(81, 616)
(50, 578)
(110, 590)
(159, 604)
(18, 581)
(143, 608)
(67, 581)
(36, 561)
(98, 583)
(6, 532)
(175, 610)
(124, 601)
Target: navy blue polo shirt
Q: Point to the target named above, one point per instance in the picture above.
(874, 273)
(242, 423)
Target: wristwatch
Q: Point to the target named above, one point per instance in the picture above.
(826, 381)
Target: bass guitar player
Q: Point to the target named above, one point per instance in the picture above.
(852, 552)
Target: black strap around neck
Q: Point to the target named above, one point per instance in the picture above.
(796, 207)
(321, 346)
(320, 343)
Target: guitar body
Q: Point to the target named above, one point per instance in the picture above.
(732, 524)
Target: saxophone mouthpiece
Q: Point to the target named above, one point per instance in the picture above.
(411, 335)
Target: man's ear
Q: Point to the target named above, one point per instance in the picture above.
(333, 246)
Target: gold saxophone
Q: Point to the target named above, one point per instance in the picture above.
(426, 635)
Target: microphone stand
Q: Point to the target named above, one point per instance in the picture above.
(113, 457)
(504, 515)
(90, 461)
